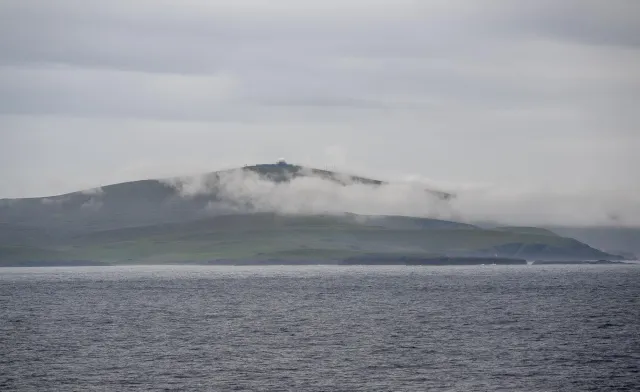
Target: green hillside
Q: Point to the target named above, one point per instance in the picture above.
(326, 239)
(153, 221)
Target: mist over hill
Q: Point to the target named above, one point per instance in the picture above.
(262, 213)
(280, 188)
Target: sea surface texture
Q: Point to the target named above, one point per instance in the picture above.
(320, 328)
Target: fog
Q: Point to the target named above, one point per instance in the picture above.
(247, 191)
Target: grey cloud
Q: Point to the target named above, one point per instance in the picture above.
(497, 92)
(283, 53)
(207, 36)
(594, 22)
(77, 91)
(325, 102)
(161, 37)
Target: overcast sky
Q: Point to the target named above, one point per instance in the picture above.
(513, 94)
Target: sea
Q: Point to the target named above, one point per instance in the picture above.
(320, 328)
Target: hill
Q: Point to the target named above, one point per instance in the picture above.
(206, 220)
(158, 201)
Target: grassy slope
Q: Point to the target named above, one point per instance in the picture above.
(266, 236)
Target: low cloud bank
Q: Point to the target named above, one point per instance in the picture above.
(247, 191)
(549, 207)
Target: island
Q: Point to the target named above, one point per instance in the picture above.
(249, 216)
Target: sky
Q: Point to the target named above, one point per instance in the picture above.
(519, 98)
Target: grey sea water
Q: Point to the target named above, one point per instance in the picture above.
(320, 328)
